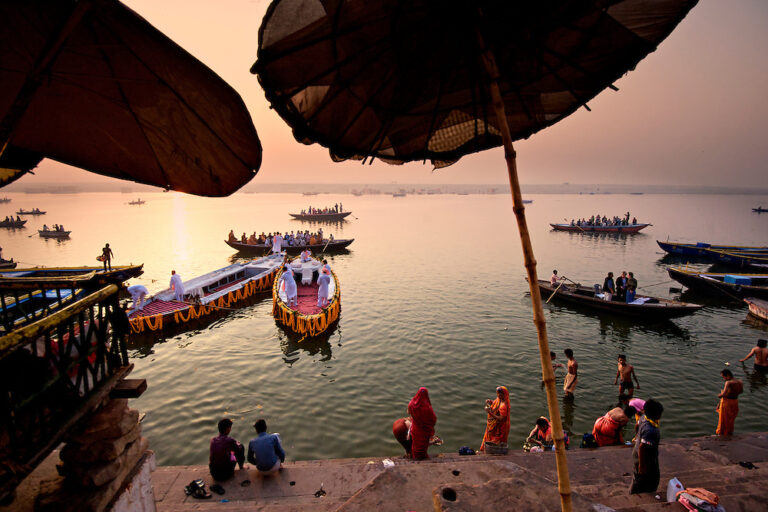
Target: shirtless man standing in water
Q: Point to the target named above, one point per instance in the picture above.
(761, 356)
(626, 372)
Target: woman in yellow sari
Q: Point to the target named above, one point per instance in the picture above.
(497, 428)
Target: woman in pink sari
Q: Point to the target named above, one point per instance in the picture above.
(497, 427)
(423, 421)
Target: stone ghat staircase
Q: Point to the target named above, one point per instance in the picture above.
(600, 481)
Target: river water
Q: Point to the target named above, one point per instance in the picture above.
(433, 294)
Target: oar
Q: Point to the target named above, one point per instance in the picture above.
(562, 282)
(326, 246)
(566, 220)
(577, 284)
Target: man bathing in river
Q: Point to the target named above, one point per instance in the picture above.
(761, 356)
(728, 408)
(569, 386)
(626, 372)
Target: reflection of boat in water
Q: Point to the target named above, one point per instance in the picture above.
(48, 233)
(758, 308)
(330, 217)
(260, 249)
(12, 223)
(729, 284)
(208, 296)
(642, 307)
(587, 228)
(306, 318)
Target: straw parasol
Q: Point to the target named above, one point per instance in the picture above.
(435, 80)
(91, 84)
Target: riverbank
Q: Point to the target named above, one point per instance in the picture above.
(518, 481)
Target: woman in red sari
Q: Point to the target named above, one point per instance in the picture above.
(497, 427)
(423, 421)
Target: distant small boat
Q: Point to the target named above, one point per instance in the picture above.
(6, 264)
(636, 193)
(207, 296)
(732, 285)
(642, 307)
(310, 193)
(320, 216)
(758, 308)
(33, 211)
(12, 224)
(398, 194)
(306, 317)
(137, 201)
(760, 209)
(5, 200)
(527, 201)
(53, 234)
(626, 229)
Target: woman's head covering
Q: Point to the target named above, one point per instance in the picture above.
(420, 408)
(637, 403)
(504, 393)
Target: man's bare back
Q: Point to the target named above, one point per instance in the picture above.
(761, 354)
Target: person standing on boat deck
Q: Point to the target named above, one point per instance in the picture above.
(324, 280)
(609, 288)
(728, 408)
(277, 243)
(289, 281)
(106, 255)
(177, 286)
(138, 293)
(621, 286)
(761, 356)
(631, 287)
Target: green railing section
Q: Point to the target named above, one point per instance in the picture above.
(57, 364)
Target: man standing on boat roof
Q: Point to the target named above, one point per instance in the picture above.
(107, 254)
(177, 286)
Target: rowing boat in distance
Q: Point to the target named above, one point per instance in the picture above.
(33, 211)
(12, 223)
(701, 249)
(52, 233)
(305, 317)
(6, 264)
(118, 272)
(263, 249)
(642, 307)
(330, 217)
(760, 209)
(733, 285)
(207, 297)
(591, 228)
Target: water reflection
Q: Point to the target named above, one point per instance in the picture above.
(568, 410)
(755, 323)
(292, 344)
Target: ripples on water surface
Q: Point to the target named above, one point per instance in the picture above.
(433, 294)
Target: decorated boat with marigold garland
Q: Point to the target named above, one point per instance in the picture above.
(207, 297)
(306, 318)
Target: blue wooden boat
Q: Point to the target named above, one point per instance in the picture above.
(701, 249)
(740, 259)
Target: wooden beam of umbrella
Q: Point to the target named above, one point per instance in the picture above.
(437, 80)
(91, 84)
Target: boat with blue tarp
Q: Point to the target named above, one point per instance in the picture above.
(701, 249)
(730, 284)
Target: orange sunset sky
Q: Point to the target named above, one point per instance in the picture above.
(692, 113)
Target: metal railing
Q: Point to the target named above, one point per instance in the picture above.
(57, 364)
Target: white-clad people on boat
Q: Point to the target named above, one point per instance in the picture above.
(277, 243)
(177, 286)
(289, 282)
(45, 227)
(138, 294)
(324, 280)
(306, 255)
(326, 266)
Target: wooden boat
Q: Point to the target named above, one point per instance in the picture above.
(398, 194)
(733, 285)
(30, 212)
(262, 249)
(4, 200)
(738, 259)
(758, 308)
(208, 296)
(627, 229)
(527, 201)
(320, 216)
(138, 201)
(12, 224)
(760, 209)
(306, 319)
(118, 272)
(642, 307)
(310, 193)
(700, 249)
(4, 264)
(48, 233)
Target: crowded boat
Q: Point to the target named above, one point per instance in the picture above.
(292, 239)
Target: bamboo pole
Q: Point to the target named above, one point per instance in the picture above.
(548, 374)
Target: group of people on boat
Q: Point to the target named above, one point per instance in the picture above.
(623, 288)
(291, 289)
(56, 227)
(602, 220)
(298, 239)
(337, 208)
(11, 219)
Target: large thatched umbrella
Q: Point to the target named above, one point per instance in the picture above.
(92, 84)
(435, 80)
